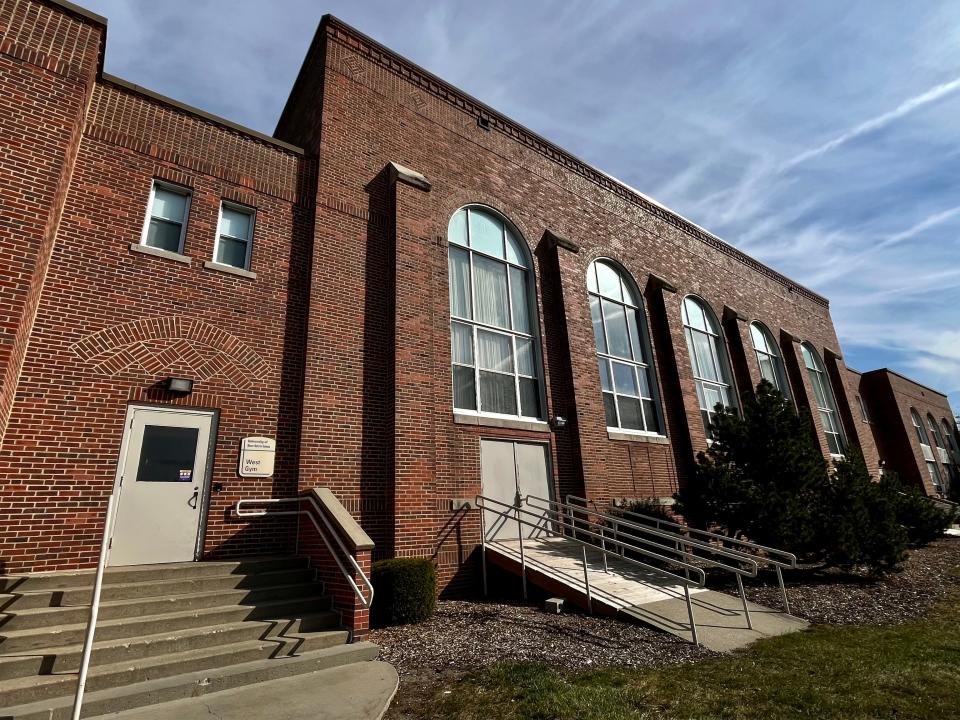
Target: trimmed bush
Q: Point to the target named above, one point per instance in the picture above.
(923, 520)
(405, 591)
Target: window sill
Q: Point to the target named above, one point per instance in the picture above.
(461, 418)
(160, 252)
(637, 437)
(229, 269)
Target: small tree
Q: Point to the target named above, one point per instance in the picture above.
(765, 478)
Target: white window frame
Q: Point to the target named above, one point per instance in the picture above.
(775, 356)
(819, 378)
(476, 325)
(174, 188)
(644, 365)
(247, 210)
(718, 351)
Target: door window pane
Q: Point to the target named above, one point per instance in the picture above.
(459, 283)
(491, 291)
(497, 393)
(168, 454)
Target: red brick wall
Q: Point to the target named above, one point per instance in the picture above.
(48, 60)
(390, 347)
(112, 323)
(889, 398)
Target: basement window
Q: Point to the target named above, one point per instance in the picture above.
(167, 212)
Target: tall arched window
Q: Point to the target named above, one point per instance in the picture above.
(496, 356)
(768, 355)
(708, 356)
(623, 350)
(918, 428)
(937, 437)
(826, 404)
(948, 433)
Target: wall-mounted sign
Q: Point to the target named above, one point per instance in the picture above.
(256, 456)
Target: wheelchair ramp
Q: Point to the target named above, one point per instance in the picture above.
(555, 564)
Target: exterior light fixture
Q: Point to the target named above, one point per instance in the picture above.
(181, 386)
(558, 422)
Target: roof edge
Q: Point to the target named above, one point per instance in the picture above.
(80, 12)
(202, 114)
(433, 84)
(908, 379)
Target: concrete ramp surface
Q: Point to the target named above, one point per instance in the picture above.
(622, 588)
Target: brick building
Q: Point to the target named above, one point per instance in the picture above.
(408, 292)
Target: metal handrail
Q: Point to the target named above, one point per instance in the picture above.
(365, 601)
(677, 538)
(513, 512)
(94, 607)
(788, 562)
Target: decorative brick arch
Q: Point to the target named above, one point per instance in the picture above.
(155, 344)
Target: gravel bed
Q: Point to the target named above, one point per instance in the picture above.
(857, 599)
(467, 635)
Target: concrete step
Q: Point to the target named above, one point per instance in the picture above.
(67, 659)
(137, 607)
(24, 690)
(132, 574)
(66, 597)
(35, 638)
(193, 684)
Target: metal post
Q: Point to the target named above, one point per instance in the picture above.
(743, 597)
(693, 624)
(586, 580)
(94, 610)
(783, 590)
(523, 559)
(483, 547)
(603, 545)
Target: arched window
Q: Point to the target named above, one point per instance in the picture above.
(708, 356)
(937, 437)
(496, 355)
(918, 428)
(948, 433)
(623, 350)
(768, 355)
(826, 404)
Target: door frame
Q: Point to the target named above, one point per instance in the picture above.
(204, 502)
(547, 442)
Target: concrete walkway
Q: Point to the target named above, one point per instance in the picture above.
(359, 691)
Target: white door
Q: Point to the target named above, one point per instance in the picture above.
(161, 483)
(509, 472)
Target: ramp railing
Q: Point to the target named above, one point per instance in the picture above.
(763, 555)
(637, 534)
(553, 521)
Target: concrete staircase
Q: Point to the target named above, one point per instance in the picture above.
(165, 632)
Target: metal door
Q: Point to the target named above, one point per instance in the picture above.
(161, 485)
(509, 472)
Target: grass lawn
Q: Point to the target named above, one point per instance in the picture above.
(848, 673)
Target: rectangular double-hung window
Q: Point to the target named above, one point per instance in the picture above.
(167, 215)
(234, 236)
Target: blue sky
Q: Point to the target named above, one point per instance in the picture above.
(820, 137)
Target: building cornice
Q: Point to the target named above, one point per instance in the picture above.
(427, 82)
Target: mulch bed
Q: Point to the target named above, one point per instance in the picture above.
(467, 635)
(857, 599)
